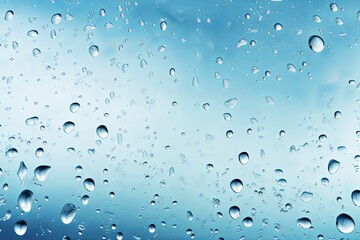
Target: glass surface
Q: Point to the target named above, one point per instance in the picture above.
(179, 119)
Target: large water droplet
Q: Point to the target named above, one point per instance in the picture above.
(89, 184)
(41, 172)
(236, 185)
(102, 131)
(32, 121)
(345, 223)
(316, 43)
(20, 227)
(68, 127)
(304, 222)
(22, 171)
(68, 213)
(25, 200)
(56, 18)
(94, 50)
(243, 158)
(234, 212)
(355, 197)
(11, 152)
(333, 166)
(9, 15)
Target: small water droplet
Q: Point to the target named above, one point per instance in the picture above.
(219, 60)
(236, 185)
(25, 200)
(143, 64)
(74, 107)
(339, 21)
(306, 196)
(333, 166)
(32, 33)
(322, 138)
(317, 18)
(152, 228)
(243, 158)
(41, 172)
(22, 171)
(304, 222)
(32, 121)
(53, 34)
(89, 184)
(231, 103)
(68, 127)
(36, 52)
(20, 227)
(11, 152)
(234, 212)
(355, 197)
(316, 43)
(68, 213)
(247, 222)
(94, 50)
(337, 114)
(56, 18)
(39, 152)
(345, 223)
(334, 7)
(102, 131)
(278, 27)
(163, 26)
(9, 15)
(172, 71)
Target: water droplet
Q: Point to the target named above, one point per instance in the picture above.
(32, 121)
(41, 172)
(102, 12)
(236, 185)
(85, 199)
(32, 33)
(316, 43)
(243, 158)
(278, 27)
(94, 50)
(247, 222)
(172, 71)
(36, 52)
(53, 34)
(325, 181)
(89, 184)
(234, 212)
(22, 171)
(9, 15)
(345, 223)
(152, 228)
(337, 114)
(333, 166)
(74, 107)
(68, 127)
(56, 18)
(291, 68)
(322, 138)
(231, 103)
(20, 227)
(306, 196)
(102, 131)
(11, 152)
(171, 172)
(68, 213)
(143, 64)
(219, 60)
(334, 7)
(39, 152)
(317, 18)
(119, 236)
(241, 42)
(304, 222)
(355, 197)
(163, 26)
(339, 21)
(25, 200)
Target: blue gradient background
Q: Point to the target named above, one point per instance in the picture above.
(142, 112)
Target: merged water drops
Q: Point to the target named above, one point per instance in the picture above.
(236, 185)
(345, 223)
(68, 213)
(316, 43)
(20, 227)
(25, 200)
(333, 166)
(243, 158)
(102, 131)
(234, 212)
(94, 50)
(89, 184)
(41, 172)
(68, 127)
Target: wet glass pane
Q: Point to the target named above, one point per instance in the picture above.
(179, 119)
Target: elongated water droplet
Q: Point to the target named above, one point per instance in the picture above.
(243, 158)
(32, 121)
(56, 18)
(304, 222)
(234, 212)
(345, 223)
(20, 227)
(316, 43)
(94, 50)
(68, 127)
(163, 26)
(25, 200)
(11, 152)
(22, 171)
(53, 34)
(68, 213)
(236, 185)
(89, 184)
(32, 33)
(15, 45)
(102, 131)
(333, 166)
(355, 197)
(41, 172)
(171, 172)
(241, 42)
(9, 15)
